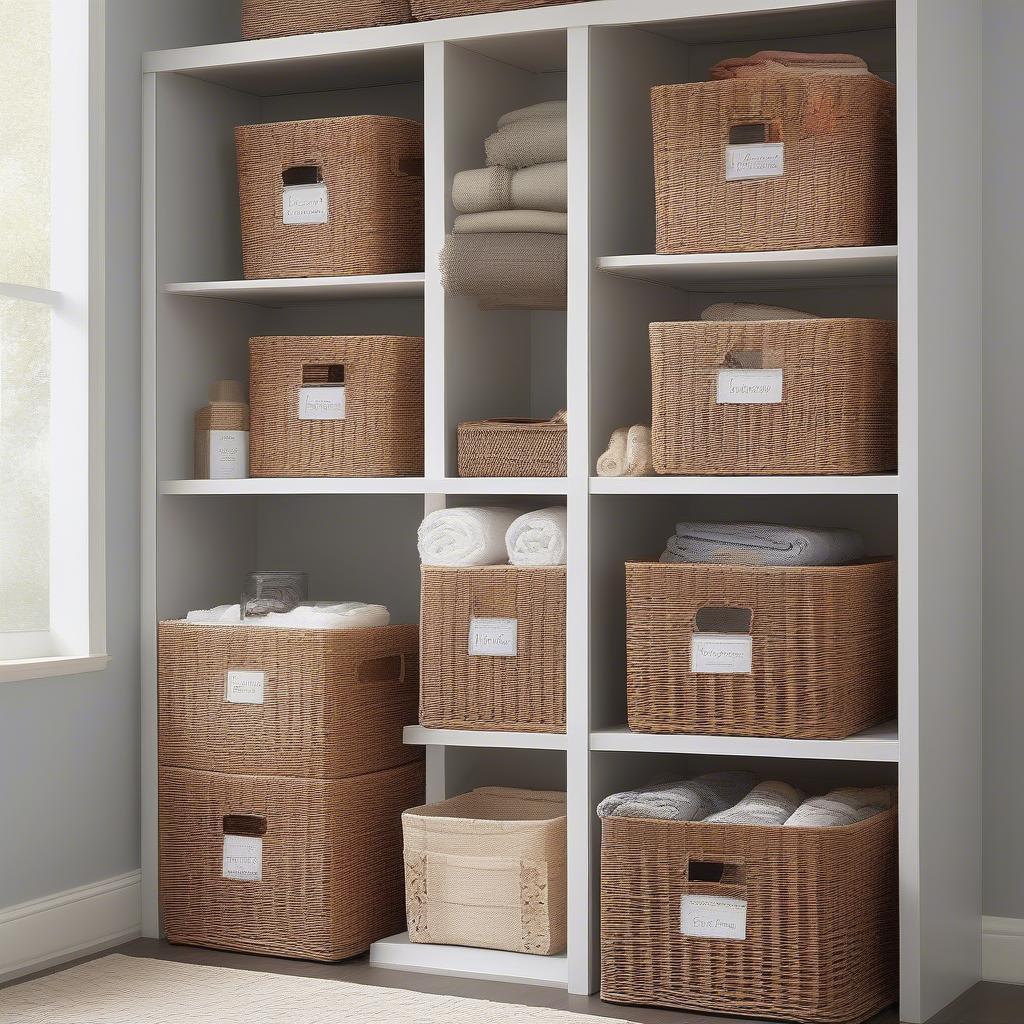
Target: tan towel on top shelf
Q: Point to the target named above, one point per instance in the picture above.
(512, 220)
(744, 311)
(534, 140)
(549, 108)
(768, 63)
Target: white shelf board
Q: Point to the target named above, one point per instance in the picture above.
(286, 291)
(885, 484)
(419, 735)
(299, 485)
(468, 962)
(880, 743)
(500, 485)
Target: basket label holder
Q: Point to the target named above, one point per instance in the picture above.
(749, 387)
(721, 653)
(243, 858)
(229, 455)
(495, 638)
(754, 160)
(244, 686)
(713, 917)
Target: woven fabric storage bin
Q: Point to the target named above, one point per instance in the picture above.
(330, 865)
(821, 918)
(327, 704)
(837, 413)
(262, 19)
(487, 869)
(381, 433)
(372, 168)
(838, 185)
(524, 692)
(427, 10)
(822, 649)
(512, 447)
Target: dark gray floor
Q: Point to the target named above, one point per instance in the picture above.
(984, 1004)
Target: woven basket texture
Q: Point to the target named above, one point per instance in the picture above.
(382, 432)
(332, 861)
(262, 19)
(373, 170)
(838, 187)
(822, 930)
(524, 693)
(838, 408)
(427, 10)
(487, 869)
(823, 642)
(512, 447)
(334, 701)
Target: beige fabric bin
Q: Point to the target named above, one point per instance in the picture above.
(487, 869)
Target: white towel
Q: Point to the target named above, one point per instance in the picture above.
(768, 803)
(308, 615)
(538, 538)
(465, 536)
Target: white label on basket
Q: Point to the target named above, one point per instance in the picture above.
(304, 204)
(243, 858)
(229, 454)
(322, 403)
(721, 652)
(754, 160)
(713, 917)
(244, 686)
(496, 638)
(749, 387)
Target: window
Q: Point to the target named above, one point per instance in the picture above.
(51, 598)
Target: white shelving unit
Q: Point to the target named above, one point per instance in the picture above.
(358, 536)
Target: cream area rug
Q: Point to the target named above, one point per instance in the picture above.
(130, 990)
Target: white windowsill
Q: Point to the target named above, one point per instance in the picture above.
(41, 668)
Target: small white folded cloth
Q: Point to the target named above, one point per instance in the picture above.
(309, 615)
(538, 538)
(461, 537)
(768, 803)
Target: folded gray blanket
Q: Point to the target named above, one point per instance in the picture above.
(679, 801)
(511, 220)
(768, 803)
(762, 544)
(533, 140)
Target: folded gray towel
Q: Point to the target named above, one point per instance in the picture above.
(768, 803)
(549, 108)
(533, 140)
(540, 187)
(841, 807)
(762, 544)
(511, 220)
(693, 800)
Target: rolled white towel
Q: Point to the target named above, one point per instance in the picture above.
(768, 803)
(308, 615)
(538, 538)
(465, 536)
(692, 800)
(842, 807)
(612, 462)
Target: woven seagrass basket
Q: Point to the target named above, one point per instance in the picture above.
(822, 649)
(838, 180)
(427, 10)
(523, 691)
(381, 432)
(512, 447)
(262, 19)
(835, 407)
(488, 869)
(821, 910)
(364, 177)
(303, 703)
(325, 881)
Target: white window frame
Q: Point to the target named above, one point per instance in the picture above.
(76, 639)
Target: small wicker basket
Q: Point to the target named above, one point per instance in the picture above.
(427, 10)
(512, 447)
(263, 19)
(488, 869)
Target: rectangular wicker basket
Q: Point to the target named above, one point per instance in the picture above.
(523, 691)
(837, 413)
(821, 907)
(329, 873)
(303, 703)
(512, 447)
(427, 10)
(838, 180)
(263, 19)
(822, 649)
(381, 433)
(372, 211)
(488, 869)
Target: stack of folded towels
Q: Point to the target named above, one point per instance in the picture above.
(736, 798)
(463, 537)
(762, 544)
(781, 63)
(308, 615)
(508, 244)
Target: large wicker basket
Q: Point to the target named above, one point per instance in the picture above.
(372, 170)
(381, 433)
(327, 881)
(821, 924)
(838, 180)
(523, 691)
(512, 447)
(427, 10)
(831, 385)
(302, 703)
(487, 869)
(262, 19)
(822, 649)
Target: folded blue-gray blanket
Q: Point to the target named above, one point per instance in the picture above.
(762, 544)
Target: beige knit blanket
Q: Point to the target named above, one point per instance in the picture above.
(541, 187)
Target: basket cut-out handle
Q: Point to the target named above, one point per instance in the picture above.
(302, 174)
(314, 374)
(411, 167)
(719, 618)
(245, 825)
(383, 670)
(713, 872)
(752, 131)
(743, 359)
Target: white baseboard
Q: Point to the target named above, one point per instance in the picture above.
(52, 930)
(1002, 949)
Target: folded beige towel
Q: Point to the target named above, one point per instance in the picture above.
(484, 188)
(541, 187)
(533, 140)
(549, 108)
(768, 63)
(743, 311)
(511, 220)
(639, 459)
(612, 461)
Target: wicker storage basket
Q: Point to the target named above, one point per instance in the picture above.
(838, 180)
(833, 389)
(327, 881)
(381, 429)
(369, 220)
(488, 869)
(822, 649)
(521, 689)
(512, 447)
(821, 918)
(427, 10)
(303, 703)
(262, 19)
